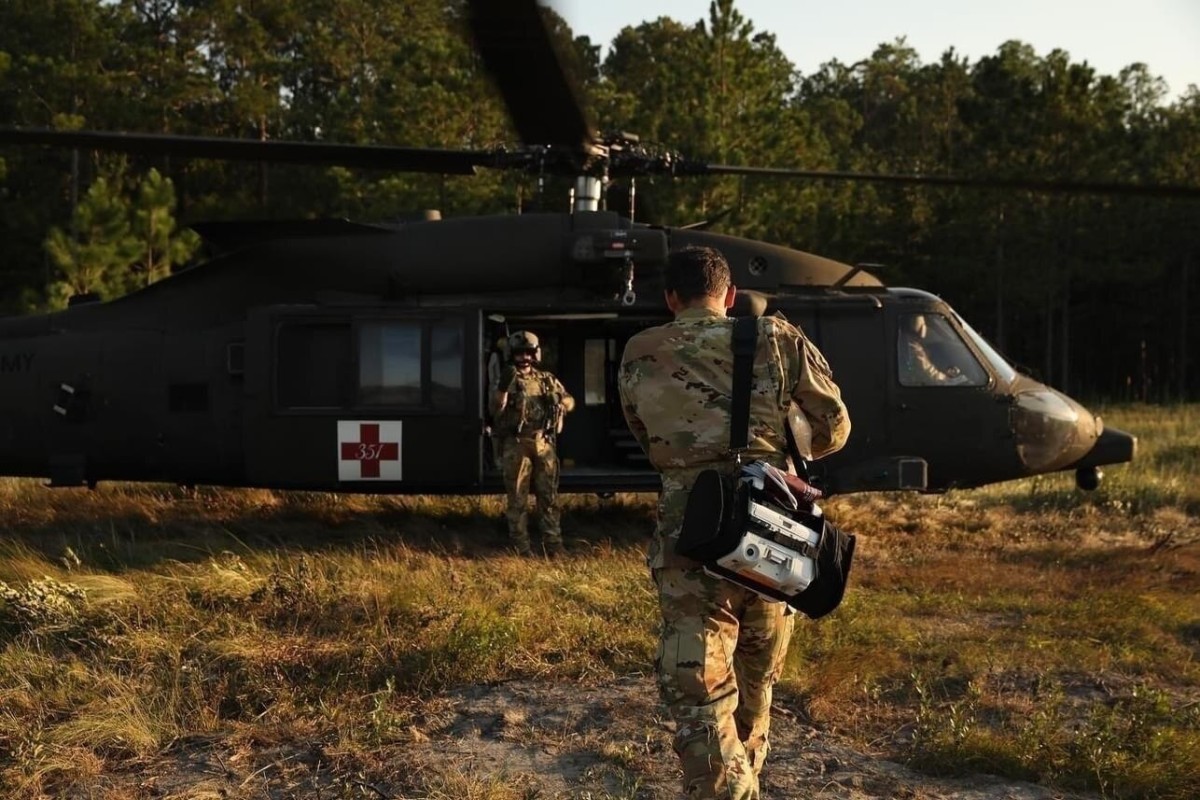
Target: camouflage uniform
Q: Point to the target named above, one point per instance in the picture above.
(721, 647)
(525, 430)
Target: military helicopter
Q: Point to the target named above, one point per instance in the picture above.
(353, 357)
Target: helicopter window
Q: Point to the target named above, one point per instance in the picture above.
(595, 355)
(311, 362)
(446, 364)
(931, 353)
(1001, 367)
(389, 364)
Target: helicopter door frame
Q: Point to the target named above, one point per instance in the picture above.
(844, 331)
(371, 398)
(596, 451)
(974, 408)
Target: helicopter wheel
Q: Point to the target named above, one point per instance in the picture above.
(1088, 478)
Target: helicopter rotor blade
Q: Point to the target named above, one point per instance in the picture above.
(511, 38)
(399, 159)
(1048, 186)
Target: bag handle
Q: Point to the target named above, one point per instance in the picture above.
(745, 342)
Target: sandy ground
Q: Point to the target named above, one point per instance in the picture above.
(525, 739)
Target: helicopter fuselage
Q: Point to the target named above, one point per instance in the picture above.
(359, 362)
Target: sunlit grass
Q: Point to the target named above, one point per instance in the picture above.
(1022, 629)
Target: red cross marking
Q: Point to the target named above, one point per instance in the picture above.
(370, 451)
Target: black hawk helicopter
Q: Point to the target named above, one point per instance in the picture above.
(353, 357)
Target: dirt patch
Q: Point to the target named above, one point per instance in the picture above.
(526, 739)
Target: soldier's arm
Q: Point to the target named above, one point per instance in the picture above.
(629, 407)
(818, 397)
(567, 401)
(499, 398)
(499, 401)
(923, 370)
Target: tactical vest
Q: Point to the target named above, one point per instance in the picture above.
(532, 405)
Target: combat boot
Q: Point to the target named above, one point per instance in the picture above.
(554, 549)
(520, 544)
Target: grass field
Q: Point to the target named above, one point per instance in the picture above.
(1025, 629)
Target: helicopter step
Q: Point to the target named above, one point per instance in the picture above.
(627, 446)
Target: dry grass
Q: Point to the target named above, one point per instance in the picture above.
(1023, 629)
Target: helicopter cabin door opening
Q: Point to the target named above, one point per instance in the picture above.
(362, 399)
(596, 450)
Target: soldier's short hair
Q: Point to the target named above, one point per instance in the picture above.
(696, 272)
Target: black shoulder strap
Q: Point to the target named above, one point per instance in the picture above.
(745, 341)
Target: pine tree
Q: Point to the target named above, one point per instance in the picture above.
(162, 245)
(93, 256)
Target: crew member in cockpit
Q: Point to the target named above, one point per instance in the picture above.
(917, 368)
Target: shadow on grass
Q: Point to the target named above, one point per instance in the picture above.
(129, 528)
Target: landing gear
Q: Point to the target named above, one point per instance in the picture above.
(1088, 478)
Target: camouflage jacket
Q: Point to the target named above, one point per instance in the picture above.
(676, 383)
(526, 403)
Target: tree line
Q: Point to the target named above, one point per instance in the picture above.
(1092, 293)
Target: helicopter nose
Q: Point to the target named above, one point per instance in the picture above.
(1053, 431)
(1113, 447)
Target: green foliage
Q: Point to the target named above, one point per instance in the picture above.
(115, 244)
(1044, 276)
(1143, 745)
(93, 256)
(162, 245)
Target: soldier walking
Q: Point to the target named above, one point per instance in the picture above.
(528, 406)
(721, 646)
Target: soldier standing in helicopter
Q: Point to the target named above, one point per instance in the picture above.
(528, 406)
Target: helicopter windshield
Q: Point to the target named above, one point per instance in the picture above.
(1003, 370)
(931, 353)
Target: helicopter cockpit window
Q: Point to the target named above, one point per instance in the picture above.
(311, 368)
(931, 353)
(389, 364)
(1001, 367)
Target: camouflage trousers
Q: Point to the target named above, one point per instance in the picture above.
(721, 650)
(531, 462)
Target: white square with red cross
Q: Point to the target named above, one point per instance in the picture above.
(368, 450)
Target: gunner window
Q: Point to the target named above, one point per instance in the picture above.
(446, 365)
(312, 361)
(389, 363)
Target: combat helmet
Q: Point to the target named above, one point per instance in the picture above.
(524, 342)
